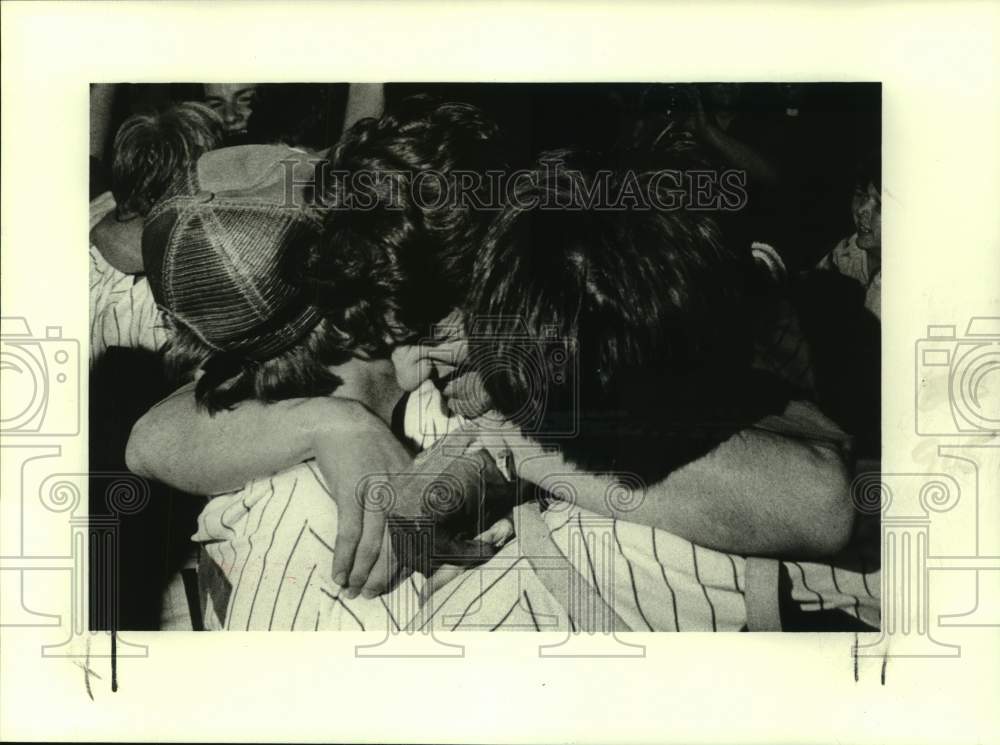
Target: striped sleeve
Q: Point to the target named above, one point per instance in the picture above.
(273, 543)
(122, 310)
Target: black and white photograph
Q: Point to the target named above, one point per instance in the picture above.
(533, 356)
(494, 357)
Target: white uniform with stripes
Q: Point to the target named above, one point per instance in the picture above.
(270, 545)
(653, 580)
(122, 310)
(272, 542)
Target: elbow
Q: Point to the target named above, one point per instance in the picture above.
(832, 526)
(135, 450)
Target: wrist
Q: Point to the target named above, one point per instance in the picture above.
(532, 462)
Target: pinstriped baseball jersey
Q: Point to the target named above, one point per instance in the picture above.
(270, 549)
(657, 581)
(122, 310)
(653, 580)
(271, 543)
(504, 594)
(272, 546)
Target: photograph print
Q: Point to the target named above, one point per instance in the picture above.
(533, 357)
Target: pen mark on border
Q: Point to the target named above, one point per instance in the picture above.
(114, 660)
(855, 656)
(87, 671)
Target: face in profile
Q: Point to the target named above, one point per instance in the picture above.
(436, 356)
(415, 363)
(866, 208)
(233, 102)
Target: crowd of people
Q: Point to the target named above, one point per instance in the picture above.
(492, 357)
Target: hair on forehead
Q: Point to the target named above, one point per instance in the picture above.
(154, 154)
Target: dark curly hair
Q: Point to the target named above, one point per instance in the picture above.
(399, 240)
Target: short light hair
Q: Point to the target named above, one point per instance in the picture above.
(155, 154)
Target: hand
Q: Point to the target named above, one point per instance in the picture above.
(464, 392)
(351, 457)
(445, 501)
(496, 536)
(466, 396)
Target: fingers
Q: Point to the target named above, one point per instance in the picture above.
(445, 574)
(466, 395)
(449, 447)
(462, 552)
(373, 538)
(499, 533)
(383, 573)
(467, 554)
(448, 354)
(350, 522)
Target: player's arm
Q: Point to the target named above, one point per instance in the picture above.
(182, 445)
(120, 242)
(782, 491)
(759, 493)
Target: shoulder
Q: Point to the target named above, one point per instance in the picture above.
(873, 296)
(120, 243)
(99, 207)
(839, 251)
(803, 420)
(847, 259)
(301, 481)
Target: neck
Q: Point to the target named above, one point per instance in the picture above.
(371, 382)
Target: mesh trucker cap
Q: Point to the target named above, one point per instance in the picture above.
(218, 262)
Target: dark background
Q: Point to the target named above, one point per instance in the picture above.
(814, 151)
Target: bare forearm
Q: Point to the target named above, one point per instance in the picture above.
(120, 243)
(756, 494)
(182, 445)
